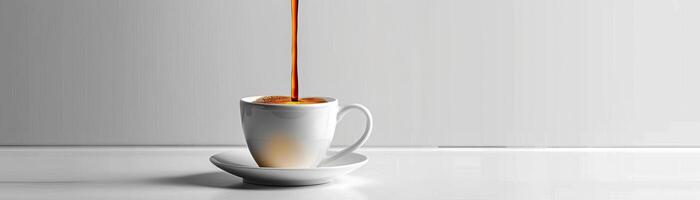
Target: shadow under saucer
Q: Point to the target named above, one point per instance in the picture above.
(231, 186)
(216, 180)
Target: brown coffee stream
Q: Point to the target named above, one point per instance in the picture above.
(295, 77)
(294, 98)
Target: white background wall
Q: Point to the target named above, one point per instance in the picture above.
(435, 73)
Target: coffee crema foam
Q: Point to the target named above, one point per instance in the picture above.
(288, 100)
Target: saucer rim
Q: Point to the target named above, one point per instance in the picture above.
(215, 162)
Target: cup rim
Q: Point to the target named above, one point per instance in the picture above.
(251, 100)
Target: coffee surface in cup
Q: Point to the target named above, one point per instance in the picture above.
(288, 100)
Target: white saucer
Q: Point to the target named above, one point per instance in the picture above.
(241, 164)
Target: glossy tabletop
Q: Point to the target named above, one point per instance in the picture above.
(392, 173)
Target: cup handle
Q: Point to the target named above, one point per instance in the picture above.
(368, 129)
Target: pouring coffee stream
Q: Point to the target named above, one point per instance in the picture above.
(295, 77)
(294, 97)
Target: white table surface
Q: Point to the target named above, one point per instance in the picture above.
(392, 173)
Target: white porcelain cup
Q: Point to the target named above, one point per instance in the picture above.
(295, 136)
